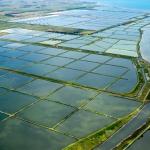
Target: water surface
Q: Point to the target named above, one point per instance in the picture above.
(136, 4)
(145, 44)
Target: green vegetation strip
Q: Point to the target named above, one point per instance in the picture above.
(145, 95)
(100, 136)
(48, 28)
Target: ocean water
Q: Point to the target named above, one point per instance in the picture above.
(135, 4)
